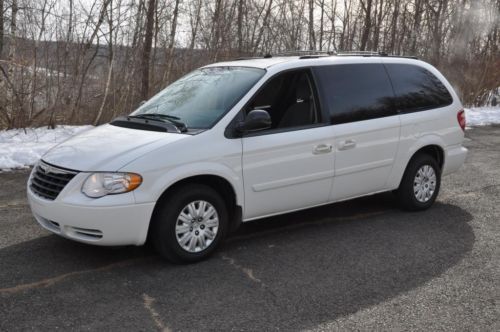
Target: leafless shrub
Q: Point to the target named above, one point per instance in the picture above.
(76, 62)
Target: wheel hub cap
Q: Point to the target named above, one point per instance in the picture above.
(197, 226)
(424, 184)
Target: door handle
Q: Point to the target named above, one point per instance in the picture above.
(322, 148)
(347, 144)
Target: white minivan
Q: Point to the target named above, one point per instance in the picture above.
(242, 140)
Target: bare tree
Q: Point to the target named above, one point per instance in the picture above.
(1, 28)
(67, 61)
(367, 9)
(146, 53)
(111, 58)
(312, 37)
(171, 43)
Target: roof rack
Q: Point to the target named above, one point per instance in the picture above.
(248, 58)
(265, 56)
(312, 54)
(305, 53)
(373, 53)
(366, 53)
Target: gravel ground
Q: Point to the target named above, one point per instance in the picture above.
(358, 265)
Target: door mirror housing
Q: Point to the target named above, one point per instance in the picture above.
(255, 120)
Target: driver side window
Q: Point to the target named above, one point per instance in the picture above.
(289, 99)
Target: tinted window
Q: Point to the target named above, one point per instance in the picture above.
(417, 88)
(356, 92)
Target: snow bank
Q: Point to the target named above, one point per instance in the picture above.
(482, 116)
(20, 148)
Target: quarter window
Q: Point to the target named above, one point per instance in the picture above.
(356, 92)
(416, 88)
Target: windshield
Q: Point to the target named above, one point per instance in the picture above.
(201, 97)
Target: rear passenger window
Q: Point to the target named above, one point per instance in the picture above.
(356, 92)
(417, 88)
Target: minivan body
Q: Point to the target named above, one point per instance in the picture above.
(264, 137)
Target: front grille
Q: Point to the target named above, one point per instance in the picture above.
(47, 180)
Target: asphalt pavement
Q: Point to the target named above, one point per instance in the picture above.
(357, 265)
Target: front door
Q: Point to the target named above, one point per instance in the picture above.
(291, 165)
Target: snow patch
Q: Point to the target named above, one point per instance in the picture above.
(482, 116)
(21, 148)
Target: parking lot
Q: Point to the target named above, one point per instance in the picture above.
(363, 265)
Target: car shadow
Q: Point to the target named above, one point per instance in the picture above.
(293, 271)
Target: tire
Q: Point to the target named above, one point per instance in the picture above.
(419, 175)
(171, 227)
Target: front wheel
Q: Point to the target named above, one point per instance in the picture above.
(420, 184)
(189, 224)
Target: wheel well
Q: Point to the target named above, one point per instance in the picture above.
(219, 184)
(434, 151)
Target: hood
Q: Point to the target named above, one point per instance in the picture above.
(107, 148)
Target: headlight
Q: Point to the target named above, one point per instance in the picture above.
(102, 184)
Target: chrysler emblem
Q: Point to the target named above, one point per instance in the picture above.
(45, 168)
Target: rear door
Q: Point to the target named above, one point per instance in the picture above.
(366, 126)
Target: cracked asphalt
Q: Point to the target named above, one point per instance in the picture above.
(357, 265)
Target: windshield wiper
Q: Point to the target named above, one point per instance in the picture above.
(162, 117)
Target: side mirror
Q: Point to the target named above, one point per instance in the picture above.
(255, 120)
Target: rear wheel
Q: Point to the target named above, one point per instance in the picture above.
(420, 184)
(189, 224)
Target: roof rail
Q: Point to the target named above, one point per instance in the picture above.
(304, 53)
(265, 56)
(312, 54)
(373, 53)
(247, 58)
(367, 53)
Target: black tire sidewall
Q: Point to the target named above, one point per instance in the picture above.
(406, 193)
(164, 221)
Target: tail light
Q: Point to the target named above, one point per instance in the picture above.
(461, 119)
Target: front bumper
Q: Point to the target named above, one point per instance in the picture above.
(108, 221)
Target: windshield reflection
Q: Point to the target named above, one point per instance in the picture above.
(200, 98)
